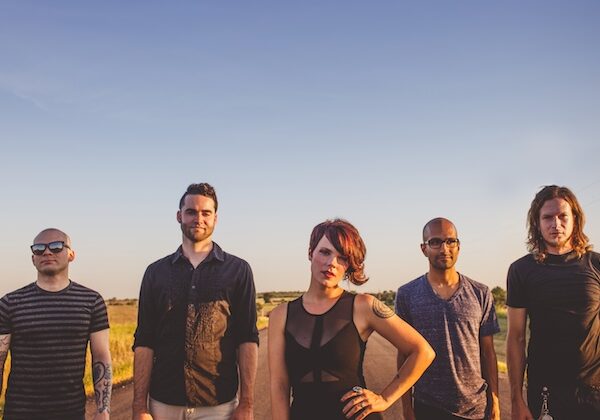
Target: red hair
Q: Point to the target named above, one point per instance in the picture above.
(346, 239)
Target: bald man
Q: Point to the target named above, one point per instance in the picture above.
(46, 326)
(456, 316)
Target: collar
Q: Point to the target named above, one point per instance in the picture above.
(561, 258)
(216, 253)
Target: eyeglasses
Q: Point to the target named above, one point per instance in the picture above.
(54, 247)
(436, 243)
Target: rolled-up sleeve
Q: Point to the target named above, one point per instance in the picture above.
(244, 310)
(145, 333)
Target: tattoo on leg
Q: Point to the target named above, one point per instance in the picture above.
(381, 309)
(102, 374)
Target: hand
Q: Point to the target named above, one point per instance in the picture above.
(105, 415)
(244, 411)
(495, 412)
(363, 402)
(520, 411)
(142, 416)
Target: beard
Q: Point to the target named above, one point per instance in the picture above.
(558, 242)
(190, 232)
(443, 264)
(51, 270)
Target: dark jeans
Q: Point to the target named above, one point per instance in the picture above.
(566, 402)
(427, 412)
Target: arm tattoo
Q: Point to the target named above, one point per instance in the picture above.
(102, 374)
(381, 309)
(4, 347)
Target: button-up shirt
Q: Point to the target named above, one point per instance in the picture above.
(194, 319)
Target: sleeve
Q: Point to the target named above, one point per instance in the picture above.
(244, 310)
(145, 335)
(99, 315)
(489, 321)
(5, 322)
(516, 296)
(400, 306)
(596, 263)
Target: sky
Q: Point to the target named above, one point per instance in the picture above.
(385, 113)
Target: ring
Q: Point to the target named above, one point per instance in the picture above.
(357, 389)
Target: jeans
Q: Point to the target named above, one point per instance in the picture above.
(161, 411)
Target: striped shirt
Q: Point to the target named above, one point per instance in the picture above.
(49, 336)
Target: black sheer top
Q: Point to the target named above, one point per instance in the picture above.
(324, 357)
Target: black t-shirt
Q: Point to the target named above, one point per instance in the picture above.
(562, 298)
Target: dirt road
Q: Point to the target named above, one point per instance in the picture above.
(379, 368)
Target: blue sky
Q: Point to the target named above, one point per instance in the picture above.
(385, 113)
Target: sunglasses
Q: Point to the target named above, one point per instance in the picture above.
(54, 247)
(436, 243)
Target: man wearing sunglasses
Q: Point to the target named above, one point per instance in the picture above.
(557, 287)
(46, 326)
(456, 315)
(196, 325)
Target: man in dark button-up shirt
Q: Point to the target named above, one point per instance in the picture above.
(196, 325)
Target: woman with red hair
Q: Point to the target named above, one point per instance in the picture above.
(317, 342)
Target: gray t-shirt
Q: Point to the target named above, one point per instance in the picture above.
(452, 327)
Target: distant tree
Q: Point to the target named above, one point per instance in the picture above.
(387, 296)
(267, 296)
(499, 295)
(259, 307)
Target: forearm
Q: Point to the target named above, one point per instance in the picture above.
(489, 364)
(142, 371)
(248, 363)
(4, 347)
(409, 372)
(515, 358)
(407, 397)
(280, 400)
(102, 375)
(489, 371)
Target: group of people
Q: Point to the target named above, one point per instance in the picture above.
(196, 342)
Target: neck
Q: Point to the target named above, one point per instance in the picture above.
(447, 277)
(560, 249)
(196, 252)
(319, 292)
(52, 283)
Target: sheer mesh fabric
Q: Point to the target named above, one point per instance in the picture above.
(324, 357)
(313, 332)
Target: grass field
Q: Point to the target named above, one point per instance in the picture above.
(500, 340)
